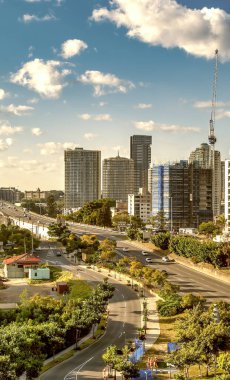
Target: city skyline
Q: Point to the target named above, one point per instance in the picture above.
(91, 75)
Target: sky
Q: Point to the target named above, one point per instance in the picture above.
(91, 73)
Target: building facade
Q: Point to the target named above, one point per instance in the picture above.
(36, 195)
(206, 158)
(184, 192)
(227, 196)
(140, 205)
(117, 178)
(82, 177)
(10, 194)
(140, 152)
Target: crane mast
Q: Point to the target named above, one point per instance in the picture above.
(211, 137)
(212, 141)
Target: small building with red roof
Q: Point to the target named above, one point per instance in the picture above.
(19, 266)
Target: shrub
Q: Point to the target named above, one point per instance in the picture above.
(161, 240)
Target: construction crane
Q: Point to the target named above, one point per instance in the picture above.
(211, 136)
(212, 141)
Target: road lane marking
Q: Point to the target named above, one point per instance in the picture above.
(76, 370)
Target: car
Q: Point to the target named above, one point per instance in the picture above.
(125, 249)
(149, 260)
(165, 259)
(145, 253)
(58, 253)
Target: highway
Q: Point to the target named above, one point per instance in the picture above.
(124, 320)
(189, 280)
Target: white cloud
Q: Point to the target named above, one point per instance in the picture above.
(103, 117)
(2, 94)
(44, 77)
(105, 83)
(89, 136)
(5, 144)
(99, 117)
(57, 2)
(72, 47)
(102, 104)
(52, 148)
(208, 104)
(30, 51)
(152, 126)
(16, 110)
(143, 106)
(169, 24)
(27, 18)
(221, 114)
(33, 101)
(6, 129)
(36, 131)
(85, 116)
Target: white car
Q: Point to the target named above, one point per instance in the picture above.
(165, 259)
(125, 249)
(149, 260)
(145, 253)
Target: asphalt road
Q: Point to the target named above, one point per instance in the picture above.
(188, 279)
(124, 320)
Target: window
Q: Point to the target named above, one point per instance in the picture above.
(20, 266)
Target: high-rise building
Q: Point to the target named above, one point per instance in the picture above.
(222, 187)
(140, 152)
(184, 192)
(203, 156)
(117, 178)
(227, 195)
(82, 177)
(140, 205)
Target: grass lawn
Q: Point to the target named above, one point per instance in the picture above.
(79, 289)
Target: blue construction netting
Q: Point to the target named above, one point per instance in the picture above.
(139, 351)
(172, 346)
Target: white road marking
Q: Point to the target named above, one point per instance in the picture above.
(73, 374)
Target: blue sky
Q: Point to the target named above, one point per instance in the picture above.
(92, 73)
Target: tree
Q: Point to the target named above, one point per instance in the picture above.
(209, 229)
(51, 206)
(187, 355)
(121, 219)
(104, 216)
(159, 221)
(161, 240)
(107, 250)
(7, 368)
(223, 362)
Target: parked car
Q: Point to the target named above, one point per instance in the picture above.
(149, 260)
(125, 249)
(165, 259)
(145, 253)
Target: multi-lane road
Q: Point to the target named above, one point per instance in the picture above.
(124, 307)
(124, 320)
(188, 279)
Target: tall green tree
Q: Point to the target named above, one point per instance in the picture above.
(52, 209)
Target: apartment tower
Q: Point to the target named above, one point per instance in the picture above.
(203, 157)
(82, 177)
(140, 152)
(183, 192)
(117, 178)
